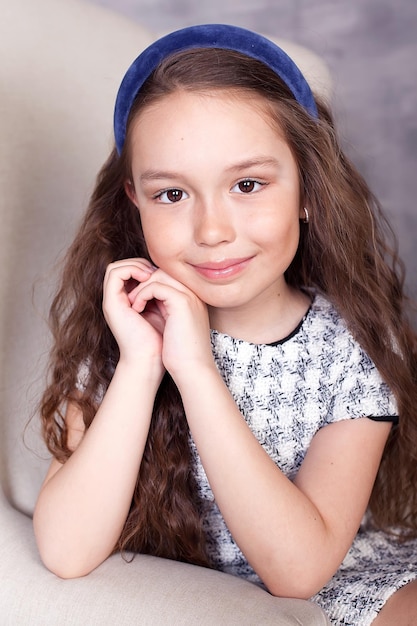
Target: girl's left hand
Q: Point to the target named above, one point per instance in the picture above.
(181, 318)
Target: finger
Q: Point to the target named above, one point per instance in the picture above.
(133, 261)
(159, 276)
(125, 271)
(168, 297)
(153, 314)
(120, 266)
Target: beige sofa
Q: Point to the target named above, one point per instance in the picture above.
(61, 61)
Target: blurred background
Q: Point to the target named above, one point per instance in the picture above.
(370, 47)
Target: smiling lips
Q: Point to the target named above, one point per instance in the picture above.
(222, 269)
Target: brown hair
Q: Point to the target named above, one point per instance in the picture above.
(346, 252)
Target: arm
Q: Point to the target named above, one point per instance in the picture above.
(294, 534)
(84, 503)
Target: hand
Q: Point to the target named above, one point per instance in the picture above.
(138, 333)
(181, 317)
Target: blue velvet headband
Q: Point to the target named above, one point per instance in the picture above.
(208, 36)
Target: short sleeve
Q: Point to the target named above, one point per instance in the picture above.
(83, 376)
(359, 389)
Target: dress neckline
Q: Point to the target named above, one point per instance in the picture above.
(279, 342)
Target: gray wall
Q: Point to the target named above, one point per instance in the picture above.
(370, 47)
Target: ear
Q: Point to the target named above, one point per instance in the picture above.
(304, 215)
(130, 192)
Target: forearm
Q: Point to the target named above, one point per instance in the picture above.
(278, 528)
(82, 508)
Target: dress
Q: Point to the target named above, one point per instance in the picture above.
(286, 392)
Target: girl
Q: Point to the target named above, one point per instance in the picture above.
(231, 349)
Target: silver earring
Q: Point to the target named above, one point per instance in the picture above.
(307, 217)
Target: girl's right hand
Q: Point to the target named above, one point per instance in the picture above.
(138, 335)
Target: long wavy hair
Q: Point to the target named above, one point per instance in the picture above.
(347, 252)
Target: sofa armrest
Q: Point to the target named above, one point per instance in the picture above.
(149, 591)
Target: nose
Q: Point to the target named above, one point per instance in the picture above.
(213, 223)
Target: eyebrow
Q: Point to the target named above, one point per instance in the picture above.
(157, 175)
(261, 161)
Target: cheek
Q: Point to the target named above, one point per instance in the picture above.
(161, 240)
(154, 245)
(277, 230)
(150, 231)
(290, 238)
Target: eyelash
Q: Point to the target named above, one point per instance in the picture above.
(161, 193)
(250, 180)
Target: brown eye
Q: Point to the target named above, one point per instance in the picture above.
(169, 196)
(173, 195)
(246, 186)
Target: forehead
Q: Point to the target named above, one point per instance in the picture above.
(236, 114)
(207, 138)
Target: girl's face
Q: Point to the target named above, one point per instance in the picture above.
(217, 189)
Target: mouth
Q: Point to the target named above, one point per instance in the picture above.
(222, 269)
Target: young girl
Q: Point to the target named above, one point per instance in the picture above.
(231, 349)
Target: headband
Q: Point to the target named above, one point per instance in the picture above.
(221, 36)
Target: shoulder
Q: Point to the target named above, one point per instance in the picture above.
(84, 376)
(328, 333)
(357, 385)
(324, 319)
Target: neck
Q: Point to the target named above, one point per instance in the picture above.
(262, 322)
